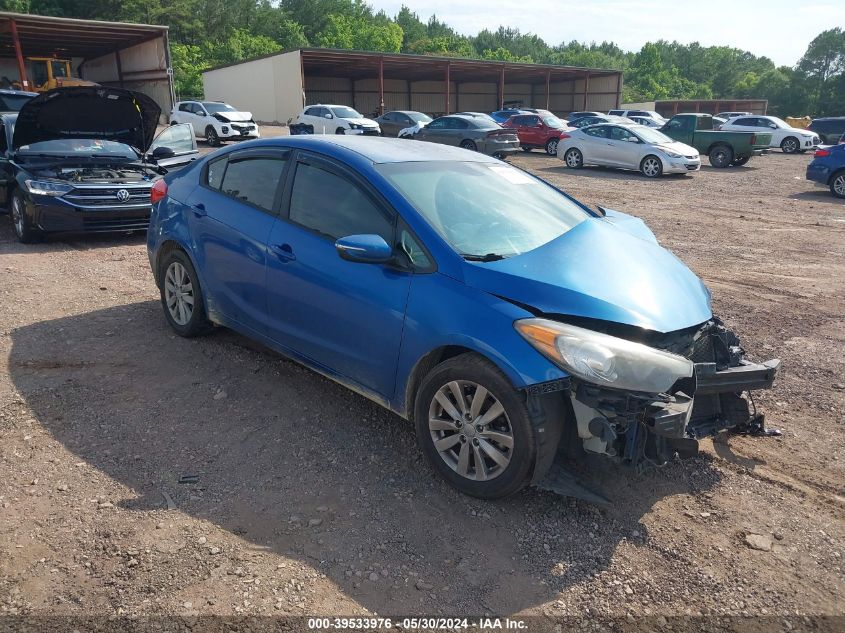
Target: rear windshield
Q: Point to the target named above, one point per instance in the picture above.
(484, 209)
(418, 117)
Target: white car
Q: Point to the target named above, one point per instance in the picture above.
(411, 131)
(336, 119)
(628, 146)
(649, 114)
(789, 139)
(647, 121)
(215, 121)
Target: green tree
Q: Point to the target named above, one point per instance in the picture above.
(822, 66)
(359, 34)
(413, 29)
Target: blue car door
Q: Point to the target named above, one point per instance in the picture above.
(345, 316)
(232, 213)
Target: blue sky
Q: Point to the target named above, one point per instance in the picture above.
(778, 29)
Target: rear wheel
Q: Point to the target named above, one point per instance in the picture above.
(474, 428)
(25, 231)
(211, 136)
(790, 145)
(721, 156)
(573, 158)
(340, 130)
(551, 147)
(837, 184)
(651, 166)
(470, 145)
(181, 295)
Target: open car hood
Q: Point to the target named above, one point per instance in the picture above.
(235, 116)
(610, 269)
(111, 114)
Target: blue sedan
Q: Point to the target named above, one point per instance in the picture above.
(509, 322)
(828, 168)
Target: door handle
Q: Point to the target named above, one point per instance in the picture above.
(198, 209)
(284, 252)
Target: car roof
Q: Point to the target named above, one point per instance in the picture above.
(378, 149)
(9, 91)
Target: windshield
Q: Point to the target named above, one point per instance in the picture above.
(82, 147)
(418, 117)
(213, 107)
(650, 135)
(342, 112)
(485, 210)
(553, 121)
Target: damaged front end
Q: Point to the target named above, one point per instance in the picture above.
(642, 397)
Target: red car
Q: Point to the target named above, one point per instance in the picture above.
(537, 131)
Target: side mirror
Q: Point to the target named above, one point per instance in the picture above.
(160, 153)
(632, 139)
(328, 115)
(201, 113)
(365, 249)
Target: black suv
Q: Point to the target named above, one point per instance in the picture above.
(829, 129)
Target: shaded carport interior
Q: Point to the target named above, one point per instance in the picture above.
(374, 82)
(132, 56)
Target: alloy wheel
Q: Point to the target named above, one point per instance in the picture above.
(838, 185)
(789, 146)
(573, 158)
(470, 430)
(651, 167)
(551, 147)
(179, 293)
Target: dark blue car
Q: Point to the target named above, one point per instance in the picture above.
(828, 168)
(502, 317)
(500, 116)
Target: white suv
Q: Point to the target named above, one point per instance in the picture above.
(214, 121)
(789, 139)
(333, 119)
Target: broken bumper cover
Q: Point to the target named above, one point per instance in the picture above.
(745, 377)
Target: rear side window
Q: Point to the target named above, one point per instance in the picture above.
(184, 107)
(252, 180)
(749, 122)
(334, 206)
(214, 173)
(617, 112)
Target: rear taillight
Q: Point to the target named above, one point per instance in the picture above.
(564, 136)
(821, 152)
(158, 192)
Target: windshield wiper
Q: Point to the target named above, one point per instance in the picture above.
(489, 257)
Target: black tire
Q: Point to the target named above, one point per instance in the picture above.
(470, 145)
(790, 145)
(515, 420)
(651, 166)
(721, 156)
(174, 123)
(25, 231)
(551, 146)
(837, 184)
(739, 161)
(573, 158)
(211, 136)
(526, 149)
(340, 130)
(198, 322)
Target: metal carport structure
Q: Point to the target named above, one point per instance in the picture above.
(275, 87)
(127, 55)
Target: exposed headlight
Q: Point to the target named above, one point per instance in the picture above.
(355, 126)
(603, 359)
(47, 187)
(672, 154)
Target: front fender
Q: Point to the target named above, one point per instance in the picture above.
(462, 316)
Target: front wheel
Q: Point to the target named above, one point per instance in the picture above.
(551, 147)
(25, 231)
(211, 136)
(651, 167)
(340, 130)
(181, 296)
(474, 428)
(573, 158)
(790, 145)
(837, 185)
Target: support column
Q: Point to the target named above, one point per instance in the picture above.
(619, 90)
(119, 68)
(19, 55)
(548, 82)
(502, 88)
(381, 85)
(448, 85)
(586, 89)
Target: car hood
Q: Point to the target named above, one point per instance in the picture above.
(802, 131)
(362, 121)
(111, 114)
(235, 116)
(679, 148)
(611, 269)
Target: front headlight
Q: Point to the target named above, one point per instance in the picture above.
(355, 126)
(47, 187)
(672, 154)
(605, 360)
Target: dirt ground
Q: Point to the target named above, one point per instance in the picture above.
(309, 499)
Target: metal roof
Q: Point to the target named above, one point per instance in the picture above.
(43, 36)
(329, 62)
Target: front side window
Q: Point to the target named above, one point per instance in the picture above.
(214, 173)
(651, 135)
(253, 180)
(620, 134)
(179, 138)
(484, 209)
(214, 107)
(437, 124)
(39, 73)
(184, 107)
(334, 206)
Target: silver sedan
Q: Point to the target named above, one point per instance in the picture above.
(627, 146)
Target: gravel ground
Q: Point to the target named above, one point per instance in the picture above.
(309, 499)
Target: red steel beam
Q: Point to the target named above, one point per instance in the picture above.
(548, 81)
(19, 54)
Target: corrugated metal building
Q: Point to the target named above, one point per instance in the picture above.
(276, 87)
(132, 56)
